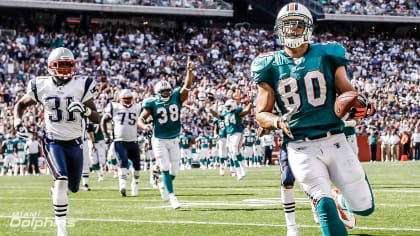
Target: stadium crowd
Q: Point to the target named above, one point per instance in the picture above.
(373, 7)
(206, 4)
(121, 56)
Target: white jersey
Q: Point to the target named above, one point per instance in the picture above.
(124, 121)
(59, 123)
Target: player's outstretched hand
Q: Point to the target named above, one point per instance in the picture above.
(79, 107)
(190, 64)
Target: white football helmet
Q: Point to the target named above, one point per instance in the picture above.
(9, 137)
(163, 90)
(126, 97)
(61, 63)
(290, 20)
(230, 105)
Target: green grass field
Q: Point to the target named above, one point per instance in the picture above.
(211, 205)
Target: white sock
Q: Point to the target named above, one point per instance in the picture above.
(122, 174)
(288, 201)
(60, 202)
(85, 178)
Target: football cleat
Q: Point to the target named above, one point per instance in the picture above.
(134, 189)
(348, 218)
(61, 231)
(86, 187)
(101, 178)
(174, 201)
(222, 171)
(123, 192)
(163, 192)
(292, 230)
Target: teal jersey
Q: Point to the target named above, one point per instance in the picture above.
(20, 144)
(372, 139)
(184, 142)
(204, 141)
(213, 142)
(349, 131)
(97, 131)
(221, 128)
(166, 115)
(8, 146)
(233, 121)
(306, 83)
(249, 140)
(193, 149)
(257, 139)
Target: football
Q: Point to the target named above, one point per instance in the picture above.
(345, 102)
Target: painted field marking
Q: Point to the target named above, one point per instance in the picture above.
(208, 223)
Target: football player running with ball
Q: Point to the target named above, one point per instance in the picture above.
(304, 80)
(67, 99)
(124, 116)
(165, 110)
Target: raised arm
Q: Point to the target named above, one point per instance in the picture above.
(215, 114)
(188, 81)
(246, 111)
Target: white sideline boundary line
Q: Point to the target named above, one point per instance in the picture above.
(205, 223)
(401, 190)
(257, 202)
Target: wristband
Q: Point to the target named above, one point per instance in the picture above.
(276, 122)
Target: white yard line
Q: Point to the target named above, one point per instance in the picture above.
(257, 202)
(206, 223)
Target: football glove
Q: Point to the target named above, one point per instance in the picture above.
(21, 130)
(79, 107)
(283, 122)
(365, 110)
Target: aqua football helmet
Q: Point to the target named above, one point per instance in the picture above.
(294, 25)
(61, 63)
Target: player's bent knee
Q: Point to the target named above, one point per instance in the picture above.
(366, 212)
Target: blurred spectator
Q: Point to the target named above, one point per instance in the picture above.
(415, 144)
(372, 146)
(394, 142)
(405, 142)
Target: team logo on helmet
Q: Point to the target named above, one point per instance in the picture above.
(294, 25)
(163, 91)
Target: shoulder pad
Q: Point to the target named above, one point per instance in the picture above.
(332, 48)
